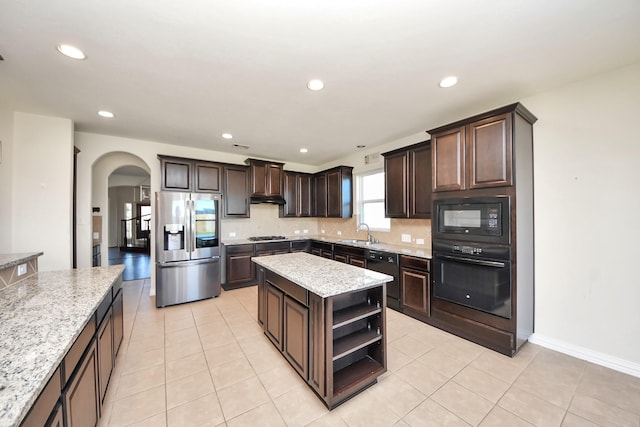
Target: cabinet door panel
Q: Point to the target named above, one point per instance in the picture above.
(320, 184)
(395, 200)
(81, 395)
(118, 323)
(176, 175)
(420, 182)
(274, 305)
(415, 290)
(490, 152)
(207, 177)
(448, 160)
(105, 354)
(236, 192)
(296, 335)
(290, 194)
(239, 269)
(305, 195)
(358, 262)
(317, 338)
(334, 194)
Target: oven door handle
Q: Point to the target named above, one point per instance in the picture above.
(475, 261)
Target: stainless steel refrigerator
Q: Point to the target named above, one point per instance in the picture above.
(187, 247)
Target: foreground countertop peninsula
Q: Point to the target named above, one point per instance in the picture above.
(40, 318)
(321, 276)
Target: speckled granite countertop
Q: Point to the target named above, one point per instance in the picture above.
(423, 252)
(321, 276)
(9, 260)
(40, 318)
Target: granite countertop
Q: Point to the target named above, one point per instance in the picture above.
(9, 260)
(422, 252)
(40, 318)
(321, 276)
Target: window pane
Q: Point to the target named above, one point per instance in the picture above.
(373, 187)
(373, 215)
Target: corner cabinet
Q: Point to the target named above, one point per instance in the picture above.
(477, 152)
(334, 193)
(336, 344)
(298, 195)
(408, 181)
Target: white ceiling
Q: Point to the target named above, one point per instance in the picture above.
(183, 72)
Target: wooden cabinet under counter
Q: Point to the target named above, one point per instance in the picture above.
(328, 320)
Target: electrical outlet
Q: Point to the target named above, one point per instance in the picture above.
(419, 241)
(22, 269)
(96, 235)
(305, 231)
(406, 238)
(321, 231)
(339, 233)
(296, 232)
(232, 234)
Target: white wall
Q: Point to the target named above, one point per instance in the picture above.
(587, 204)
(42, 189)
(6, 179)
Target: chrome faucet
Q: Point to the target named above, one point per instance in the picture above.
(369, 237)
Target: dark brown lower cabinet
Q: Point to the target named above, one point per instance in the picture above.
(105, 353)
(415, 286)
(81, 404)
(78, 387)
(274, 316)
(262, 309)
(118, 324)
(337, 344)
(296, 335)
(240, 271)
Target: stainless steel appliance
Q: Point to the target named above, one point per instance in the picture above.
(473, 219)
(187, 247)
(476, 275)
(387, 263)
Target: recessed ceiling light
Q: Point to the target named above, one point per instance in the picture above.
(106, 114)
(71, 51)
(304, 150)
(227, 136)
(448, 81)
(315, 85)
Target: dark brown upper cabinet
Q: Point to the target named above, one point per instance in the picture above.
(236, 191)
(298, 195)
(333, 190)
(478, 152)
(408, 181)
(266, 181)
(180, 174)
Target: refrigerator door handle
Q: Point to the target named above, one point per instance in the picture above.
(193, 225)
(187, 226)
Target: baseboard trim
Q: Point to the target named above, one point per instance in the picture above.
(598, 358)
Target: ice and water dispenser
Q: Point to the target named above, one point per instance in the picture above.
(174, 237)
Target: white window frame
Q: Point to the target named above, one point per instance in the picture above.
(360, 202)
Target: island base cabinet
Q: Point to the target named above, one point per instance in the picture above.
(296, 335)
(81, 404)
(118, 324)
(105, 354)
(274, 316)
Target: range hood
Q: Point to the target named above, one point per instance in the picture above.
(274, 199)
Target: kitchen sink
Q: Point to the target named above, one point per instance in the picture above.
(356, 242)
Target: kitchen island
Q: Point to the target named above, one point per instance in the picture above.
(327, 319)
(60, 332)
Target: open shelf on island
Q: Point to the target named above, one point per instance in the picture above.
(355, 341)
(353, 313)
(346, 377)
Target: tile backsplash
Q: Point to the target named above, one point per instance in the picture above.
(265, 221)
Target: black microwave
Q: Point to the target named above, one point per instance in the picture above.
(475, 219)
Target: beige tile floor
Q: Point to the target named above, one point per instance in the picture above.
(208, 364)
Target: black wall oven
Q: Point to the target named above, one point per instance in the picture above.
(475, 275)
(473, 219)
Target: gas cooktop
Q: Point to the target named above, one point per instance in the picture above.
(257, 238)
